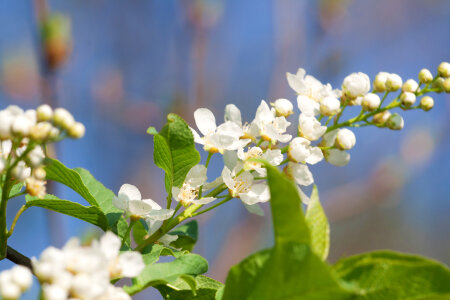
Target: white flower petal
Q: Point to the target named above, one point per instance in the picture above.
(129, 192)
(152, 203)
(120, 203)
(301, 174)
(255, 209)
(315, 156)
(160, 214)
(233, 114)
(196, 176)
(308, 106)
(197, 138)
(205, 121)
(131, 264)
(167, 239)
(337, 157)
(257, 193)
(227, 178)
(139, 207)
(264, 114)
(110, 245)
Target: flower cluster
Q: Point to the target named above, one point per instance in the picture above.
(85, 272)
(14, 282)
(23, 138)
(319, 133)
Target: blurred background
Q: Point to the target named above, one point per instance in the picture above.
(121, 66)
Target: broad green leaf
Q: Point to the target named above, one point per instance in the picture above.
(290, 270)
(391, 275)
(206, 289)
(101, 194)
(174, 151)
(318, 226)
(15, 189)
(164, 273)
(288, 219)
(58, 172)
(82, 182)
(187, 236)
(91, 214)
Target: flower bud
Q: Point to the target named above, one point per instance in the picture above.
(381, 117)
(44, 112)
(337, 157)
(370, 102)
(39, 173)
(35, 187)
(329, 106)
(380, 81)
(438, 84)
(345, 139)
(426, 103)
(9, 291)
(63, 118)
(298, 150)
(22, 277)
(77, 130)
(6, 121)
(54, 292)
(395, 122)
(21, 125)
(408, 98)
(425, 76)
(21, 172)
(356, 84)
(444, 69)
(393, 82)
(54, 133)
(410, 86)
(40, 131)
(446, 85)
(283, 107)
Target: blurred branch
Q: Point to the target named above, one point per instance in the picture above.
(18, 258)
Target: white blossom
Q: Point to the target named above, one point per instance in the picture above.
(300, 173)
(410, 85)
(444, 69)
(408, 98)
(130, 200)
(188, 193)
(393, 82)
(271, 128)
(356, 84)
(77, 130)
(380, 81)
(370, 102)
(63, 118)
(395, 122)
(217, 138)
(308, 106)
(310, 87)
(44, 112)
(274, 157)
(426, 103)
(310, 128)
(337, 157)
(300, 150)
(425, 76)
(329, 106)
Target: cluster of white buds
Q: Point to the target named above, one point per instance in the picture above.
(14, 282)
(85, 272)
(23, 136)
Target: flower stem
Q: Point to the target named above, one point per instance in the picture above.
(127, 233)
(13, 225)
(212, 207)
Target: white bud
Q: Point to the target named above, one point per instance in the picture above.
(6, 121)
(426, 103)
(356, 84)
(63, 118)
(425, 76)
(10, 291)
(446, 85)
(22, 277)
(408, 98)
(21, 172)
(283, 107)
(21, 125)
(345, 139)
(444, 69)
(40, 131)
(393, 82)
(44, 112)
(370, 102)
(77, 130)
(329, 106)
(15, 110)
(36, 156)
(31, 115)
(337, 157)
(54, 133)
(39, 173)
(54, 292)
(380, 81)
(410, 85)
(395, 122)
(381, 117)
(298, 150)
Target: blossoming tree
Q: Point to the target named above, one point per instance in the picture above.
(263, 162)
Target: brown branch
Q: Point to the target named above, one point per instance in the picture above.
(18, 258)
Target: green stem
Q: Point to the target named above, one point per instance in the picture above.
(213, 206)
(13, 225)
(127, 233)
(384, 97)
(210, 154)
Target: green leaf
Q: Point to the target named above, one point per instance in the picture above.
(206, 289)
(82, 182)
(152, 130)
(15, 189)
(391, 275)
(318, 226)
(140, 230)
(288, 219)
(187, 236)
(91, 214)
(164, 273)
(174, 151)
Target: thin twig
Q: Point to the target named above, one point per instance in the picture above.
(18, 258)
